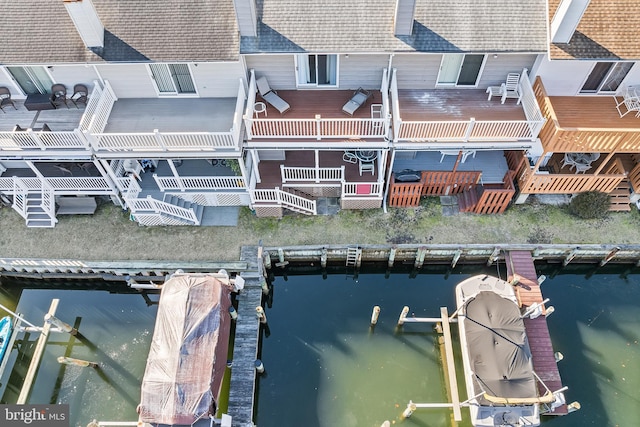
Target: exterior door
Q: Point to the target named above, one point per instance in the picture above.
(606, 77)
(458, 69)
(317, 70)
(172, 79)
(32, 80)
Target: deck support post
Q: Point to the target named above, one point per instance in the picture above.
(282, 262)
(392, 256)
(494, 256)
(375, 314)
(610, 256)
(570, 256)
(403, 315)
(420, 255)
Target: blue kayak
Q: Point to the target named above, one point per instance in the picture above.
(5, 334)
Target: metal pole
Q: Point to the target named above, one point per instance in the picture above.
(22, 319)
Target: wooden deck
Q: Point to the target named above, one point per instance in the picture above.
(455, 104)
(306, 103)
(61, 119)
(544, 363)
(270, 169)
(591, 112)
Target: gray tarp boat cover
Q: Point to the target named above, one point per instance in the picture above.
(188, 353)
(499, 352)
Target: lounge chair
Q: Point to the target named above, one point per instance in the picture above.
(360, 96)
(271, 96)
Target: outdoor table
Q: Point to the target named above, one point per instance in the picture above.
(39, 102)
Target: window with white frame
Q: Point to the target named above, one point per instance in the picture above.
(317, 70)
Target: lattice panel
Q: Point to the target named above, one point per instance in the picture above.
(360, 203)
(268, 211)
(157, 219)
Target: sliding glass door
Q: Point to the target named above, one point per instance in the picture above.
(32, 80)
(458, 69)
(317, 70)
(172, 79)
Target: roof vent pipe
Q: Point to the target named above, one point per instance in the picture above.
(403, 19)
(247, 17)
(85, 18)
(566, 19)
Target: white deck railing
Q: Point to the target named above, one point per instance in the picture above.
(199, 182)
(311, 174)
(151, 205)
(317, 127)
(20, 192)
(92, 105)
(284, 199)
(470, 130)
(34, 140)
(102, 111)
(58, 184)
(362, 189)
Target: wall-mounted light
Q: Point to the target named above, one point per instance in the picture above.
(495, 56)
(346, 55)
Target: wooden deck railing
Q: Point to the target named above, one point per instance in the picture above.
(634, 178)
(362, 189)
(584, 139)
(496, 200)
(469, 130)
(310, 174)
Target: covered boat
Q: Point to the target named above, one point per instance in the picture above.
(6, 328)
(188, 353)
(501, 385)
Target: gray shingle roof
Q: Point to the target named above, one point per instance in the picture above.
(367, 26)
(41, 31)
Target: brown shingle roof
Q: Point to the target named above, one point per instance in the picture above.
(41, 31)
(608, 30)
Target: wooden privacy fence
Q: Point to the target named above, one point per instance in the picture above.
(432, 183)
(496, 200)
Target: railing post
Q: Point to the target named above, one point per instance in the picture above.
(158, 137)
(318, 127)
(472, 122)
(282, 174)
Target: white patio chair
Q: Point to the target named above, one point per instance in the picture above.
(367, 167)
(630, 101)
(349, 157)
(511, 88)
(582, 167)
(271, 96)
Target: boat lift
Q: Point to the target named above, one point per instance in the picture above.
(52, 324)
(444, 327)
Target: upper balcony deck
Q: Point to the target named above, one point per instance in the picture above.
(115, 127)
(455, 116)
(318, 115)
(586, 124)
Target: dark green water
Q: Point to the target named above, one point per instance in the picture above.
(325, 367)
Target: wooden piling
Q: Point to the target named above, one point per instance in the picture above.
(494, 256)
(392, 256)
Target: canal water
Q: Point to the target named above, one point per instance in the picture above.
(325, 366)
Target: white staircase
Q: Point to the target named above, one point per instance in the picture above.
(36, 213)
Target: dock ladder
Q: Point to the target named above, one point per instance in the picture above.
(354, 257)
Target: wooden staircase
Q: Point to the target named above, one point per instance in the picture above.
(621, 197)
(468, 199)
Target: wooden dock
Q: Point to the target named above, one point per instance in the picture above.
(245, 350)
(528, 291)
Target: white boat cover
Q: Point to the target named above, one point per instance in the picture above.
(188, 353)
(499, 352)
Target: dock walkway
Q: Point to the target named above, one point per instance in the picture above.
(544, 362)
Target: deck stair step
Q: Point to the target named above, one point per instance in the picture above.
(180, 202)
(621, 197)
(468, 199)
(354, 253)
(36, 217)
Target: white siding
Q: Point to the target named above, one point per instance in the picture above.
(278, 69)
(404, 17)
(129, 80)
(362, 71)
(496, 69)
(69, 75)
(217, 79)
(417, 71)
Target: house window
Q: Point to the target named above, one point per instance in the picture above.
(458, 69)
(606, 77)
(172, 79)
(317, 70)
(32, 80)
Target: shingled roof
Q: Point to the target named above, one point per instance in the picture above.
(608, 30)
(41, 31)
(367, 26)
